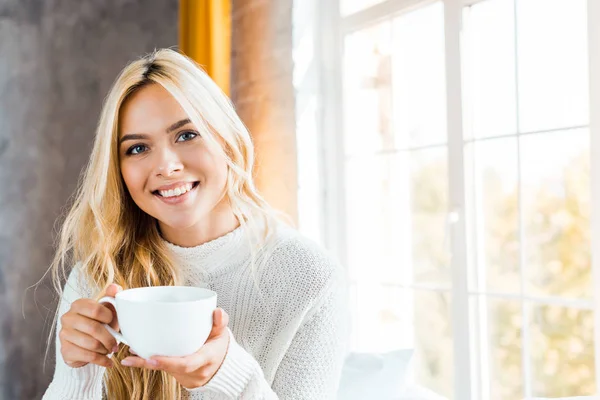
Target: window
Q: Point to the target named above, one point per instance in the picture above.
(396, 197)
(444, 154)
(527, 146)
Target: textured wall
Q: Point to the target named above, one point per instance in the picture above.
(57, 61)
(262, 90)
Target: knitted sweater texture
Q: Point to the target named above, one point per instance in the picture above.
(288, 320)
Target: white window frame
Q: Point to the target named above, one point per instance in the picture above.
(594, 78)
(328, 31)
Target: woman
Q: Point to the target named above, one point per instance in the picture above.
(168, 199)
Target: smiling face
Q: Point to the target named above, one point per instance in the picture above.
(170, 171)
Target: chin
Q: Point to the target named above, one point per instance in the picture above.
(177, 223)
(181, 220)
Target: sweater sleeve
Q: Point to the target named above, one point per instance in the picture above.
(240, 377)
(310, 369)
(83, 383)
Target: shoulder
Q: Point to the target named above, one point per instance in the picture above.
(77, 285)
(298, 262)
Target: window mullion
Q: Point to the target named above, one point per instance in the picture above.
(525, 310)
(457, 197)
(594, 77)
(329, 43)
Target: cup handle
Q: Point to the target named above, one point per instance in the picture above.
(120, 338)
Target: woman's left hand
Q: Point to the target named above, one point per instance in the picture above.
(196, 369)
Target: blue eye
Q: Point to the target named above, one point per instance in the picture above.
(186, 136)
(137, 149)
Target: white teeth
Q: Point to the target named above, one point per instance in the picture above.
(177, 191)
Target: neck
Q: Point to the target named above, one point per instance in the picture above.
(218, 223)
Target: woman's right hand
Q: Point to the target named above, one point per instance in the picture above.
(83, 337)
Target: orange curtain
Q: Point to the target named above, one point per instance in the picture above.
(205, 36)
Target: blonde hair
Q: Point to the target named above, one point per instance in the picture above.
(114, 240)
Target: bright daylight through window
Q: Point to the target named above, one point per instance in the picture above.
(525, 165)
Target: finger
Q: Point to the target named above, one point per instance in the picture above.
(224, 318)
(138, 362)
(220, 321)
(73, 354)
(115, 320)
(112, 290)
(84, 341)
(95, 330)
(91, 309)
(180, 365)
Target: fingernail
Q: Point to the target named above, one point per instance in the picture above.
(126, 363)
(154, 363)
(115, 348)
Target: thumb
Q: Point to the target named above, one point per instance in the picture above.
(220, 321)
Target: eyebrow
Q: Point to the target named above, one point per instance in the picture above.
(137, 136)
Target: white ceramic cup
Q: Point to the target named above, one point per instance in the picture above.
(172, 321)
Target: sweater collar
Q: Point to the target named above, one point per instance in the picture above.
(211, 256)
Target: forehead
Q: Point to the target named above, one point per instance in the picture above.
(150, 109)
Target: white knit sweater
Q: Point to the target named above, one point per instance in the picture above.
(288, 341)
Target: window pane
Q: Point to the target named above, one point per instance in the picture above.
(494, 223)
(387, 318)
(410, 79)
(396, 207)
(352, 6)
(499, 353)
(377, 213)
(556, 210)
(562, 350)
(367, 91)
(489, 66)
(429, 210)
(419, 77)
(382, 317)
(433, 361)
(553, 64)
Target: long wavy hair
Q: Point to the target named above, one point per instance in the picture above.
(114, 240)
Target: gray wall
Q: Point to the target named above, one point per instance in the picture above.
(58, 59)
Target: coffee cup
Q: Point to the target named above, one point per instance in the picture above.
(172, 321)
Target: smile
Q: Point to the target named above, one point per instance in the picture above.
(176, 195)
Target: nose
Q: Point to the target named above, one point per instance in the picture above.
(168, 163)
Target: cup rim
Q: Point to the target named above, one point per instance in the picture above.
(206, 294)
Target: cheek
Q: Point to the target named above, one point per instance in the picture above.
(133, 179)
(217, 169)
(223, 174)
